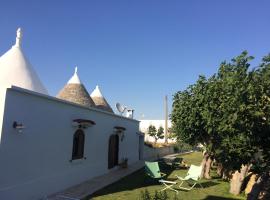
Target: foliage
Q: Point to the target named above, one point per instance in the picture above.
(263, 115)
(228, 112)
(181, 146)
(157, 134)
(152, 131)
(145, 195)
(160, 133)
(171, 134)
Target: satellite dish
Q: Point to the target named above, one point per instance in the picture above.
(120, 108)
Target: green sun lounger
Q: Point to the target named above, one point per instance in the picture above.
(152, 170)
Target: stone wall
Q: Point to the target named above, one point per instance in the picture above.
(156, 153)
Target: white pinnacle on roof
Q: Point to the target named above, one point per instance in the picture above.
(96, 92)
(100, 101)
(75, 78)
(15, 69)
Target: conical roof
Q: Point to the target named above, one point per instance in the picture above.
(74, 91)
(100, 101)
(15, 69)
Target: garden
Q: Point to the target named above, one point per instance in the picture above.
(228, 114)
(136, 186)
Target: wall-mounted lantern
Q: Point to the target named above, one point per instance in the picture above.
(120, 131)
(83, 123)
(18, 127)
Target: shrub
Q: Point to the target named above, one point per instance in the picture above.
(145, 195)
(182, 147)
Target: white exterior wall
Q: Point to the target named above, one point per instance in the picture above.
(2, 106)
(144, 124)
(36, 162)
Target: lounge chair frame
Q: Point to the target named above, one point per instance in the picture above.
(168, 185)
(193, 177)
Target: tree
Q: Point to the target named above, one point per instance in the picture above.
(188, 119)
(160, 133)
(152, 131)
(229, 114)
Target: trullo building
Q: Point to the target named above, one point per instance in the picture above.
(100, 101)
(50, 143)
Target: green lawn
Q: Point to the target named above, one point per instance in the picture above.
(131, 186)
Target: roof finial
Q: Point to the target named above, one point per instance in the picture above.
(18, 37)
(75, 78)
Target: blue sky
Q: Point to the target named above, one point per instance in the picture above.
(137, 51)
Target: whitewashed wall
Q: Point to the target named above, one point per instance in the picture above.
(36, 162)
(2, 106)
(144, 124)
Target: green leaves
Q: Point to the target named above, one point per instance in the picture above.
(157, 134)
(160, 132)
(229, 112)
(152, 131)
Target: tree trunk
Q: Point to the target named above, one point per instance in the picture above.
(207, 168)
(206, 165)
(237, 180)
(251, 183)
(220, 169)
(205, 155)
(261, 189)
(254, 193)
(213, 164)
(265, 191)
(227, 174)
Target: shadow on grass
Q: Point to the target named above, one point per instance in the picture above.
(133, 181)
(210, 197)
(204, 184)
(208, 184)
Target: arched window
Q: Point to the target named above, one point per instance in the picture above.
(78, 145)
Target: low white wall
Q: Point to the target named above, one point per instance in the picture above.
(144, 125)
(36, 162)
(151, 139)
(156, 153)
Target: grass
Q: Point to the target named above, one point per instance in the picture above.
(131, 186)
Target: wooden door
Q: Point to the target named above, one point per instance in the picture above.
(113, 151)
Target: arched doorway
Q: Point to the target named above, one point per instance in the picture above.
(113, 151)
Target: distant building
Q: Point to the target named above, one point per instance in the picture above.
(144, 124)
(48, 143)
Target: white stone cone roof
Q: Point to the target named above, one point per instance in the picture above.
(74, 91)
(100, 101)
(15, 69)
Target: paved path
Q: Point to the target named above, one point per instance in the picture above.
(177, 154)
(87, 188)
